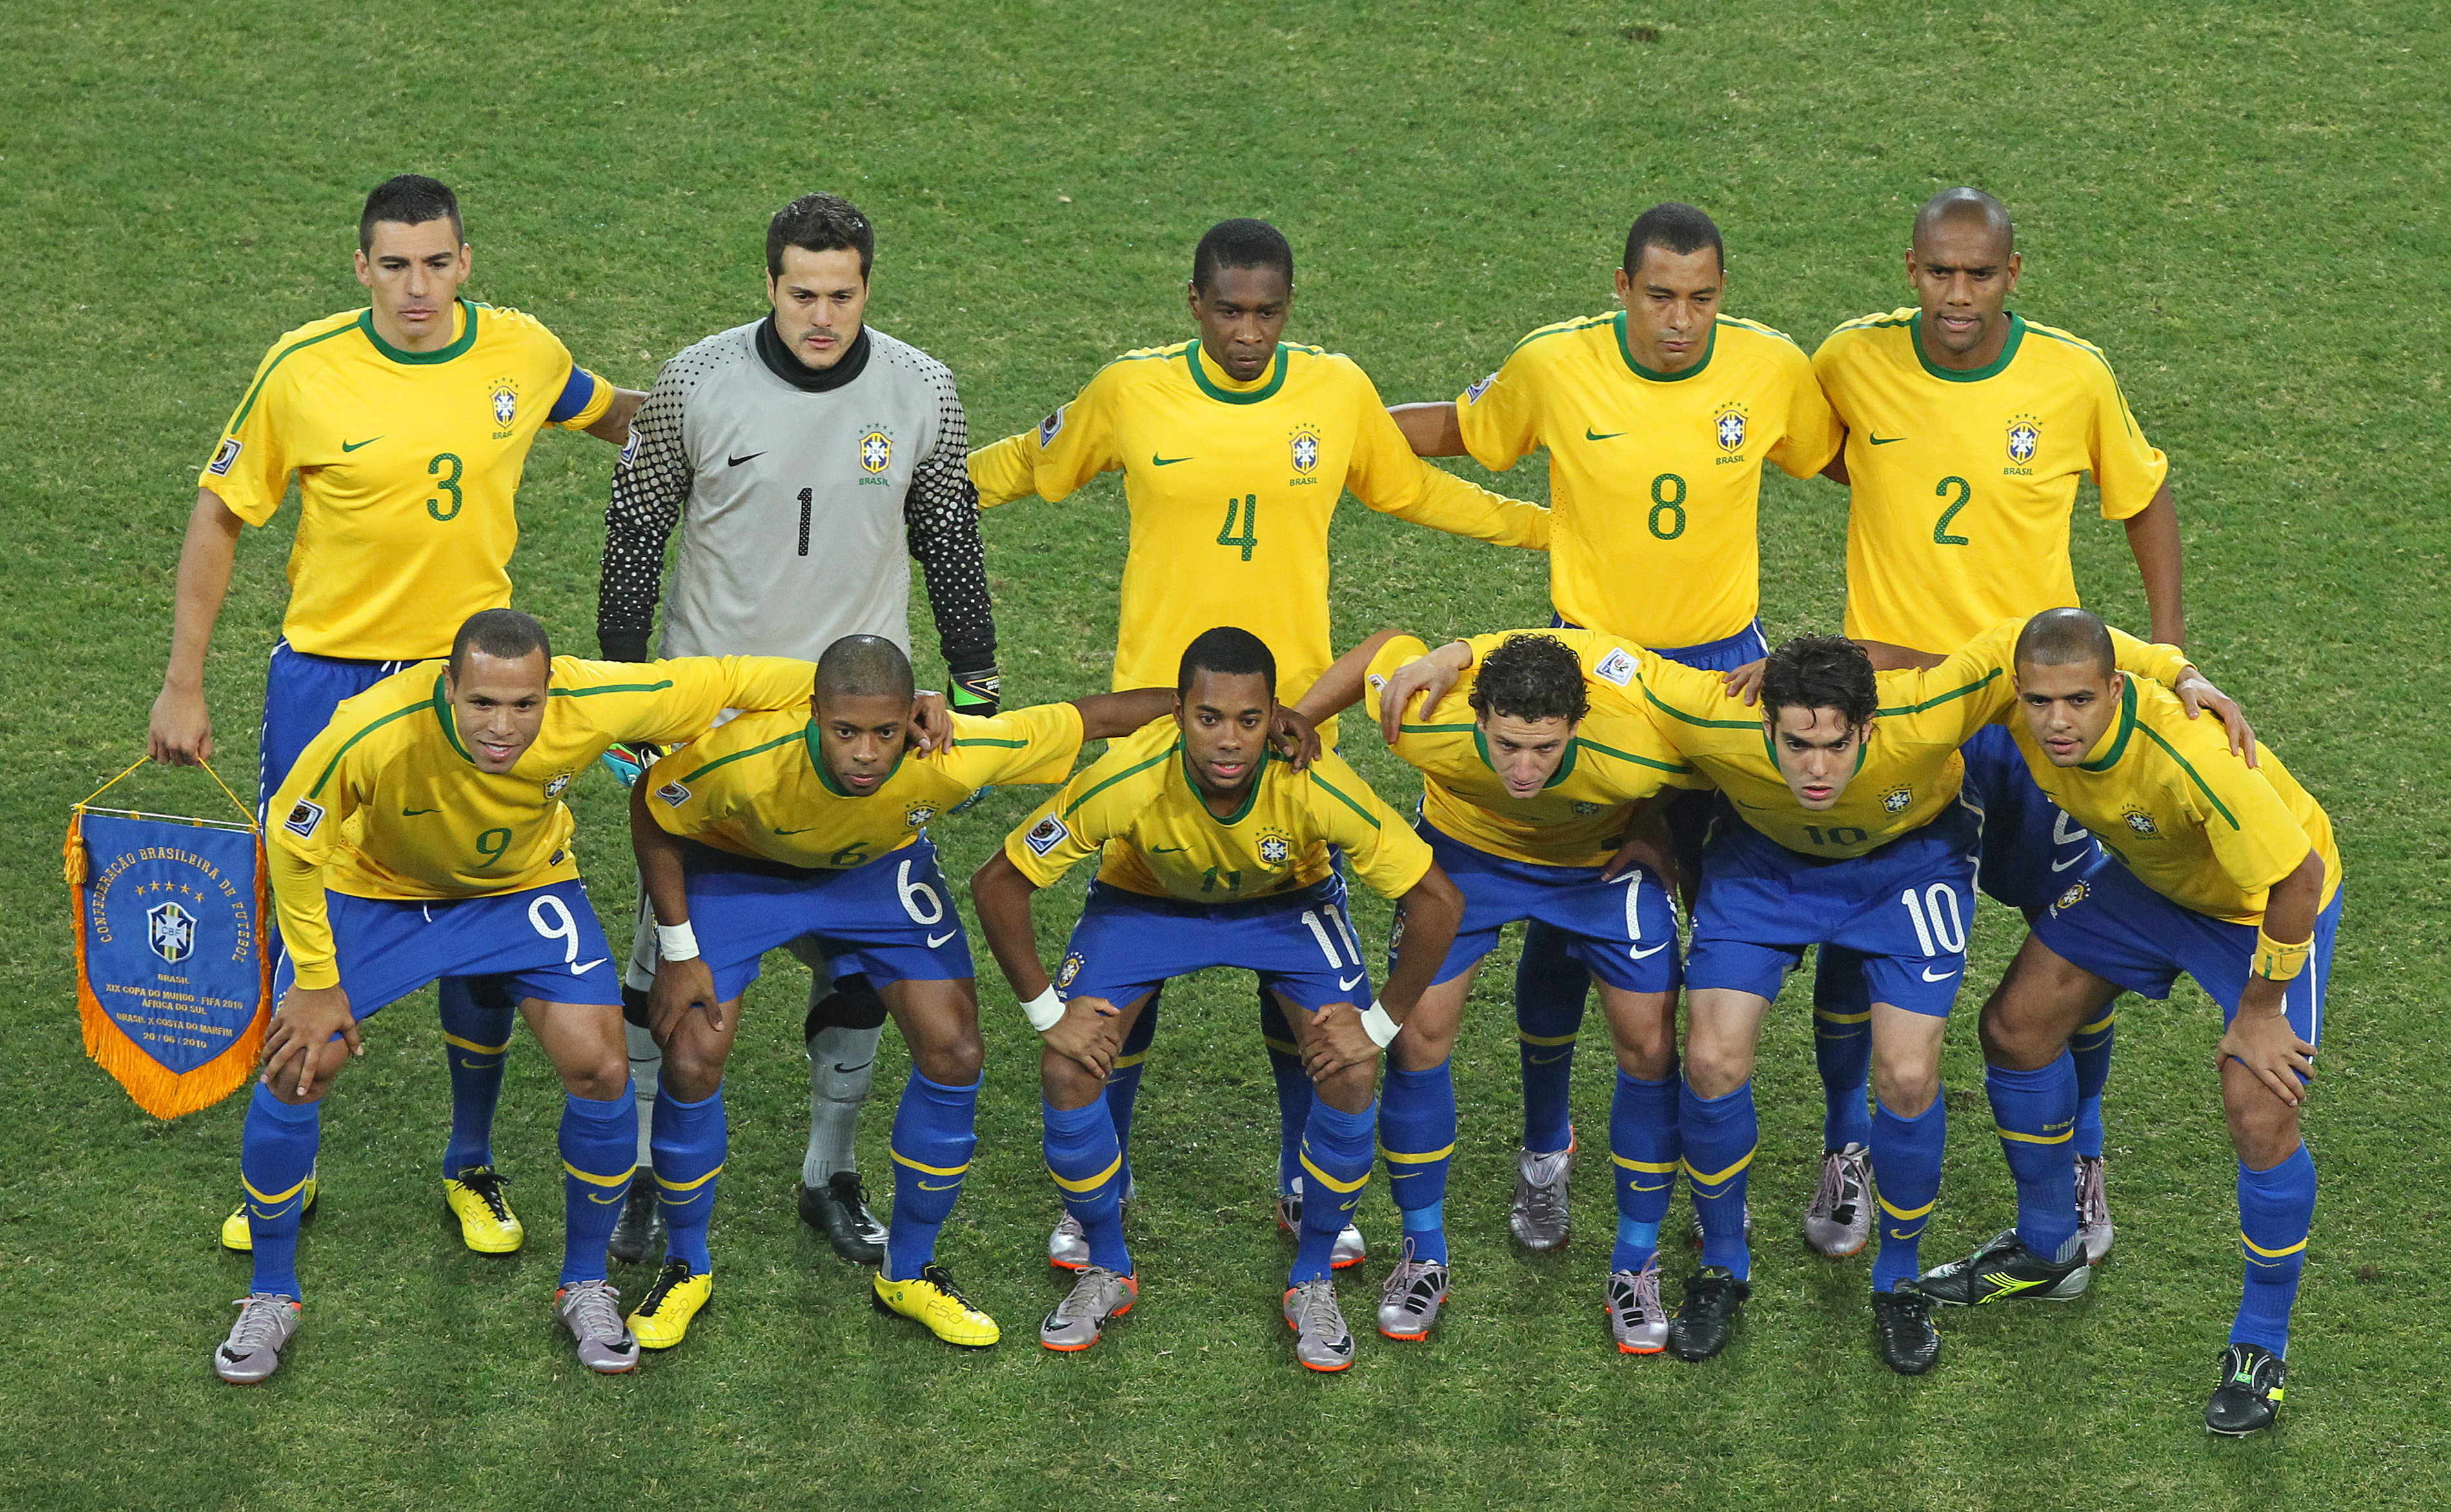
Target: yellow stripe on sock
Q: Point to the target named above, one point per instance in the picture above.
(689, 1185)
(1279, 1045)
(1417, 1160)
(1709, 1179)
(2035, 1139)
(1545, 1039)
(1330, 1182)
(901, 1159)
(1656, 1168)
(2271, 1254)
(270, 1201)
(1127, 1061)
(449, 1038)
(621, 1178)
(1091, 1184)
(2099, 1024)
(1901, 1214)
(1828, 1017)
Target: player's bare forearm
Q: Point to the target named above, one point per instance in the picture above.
(1430, 677)
(1340, 687)
(1430, 429)
(2290, 907)
(613, 425)
(181, 729)
(2153, 535)
(1105, 715)
(1836, 471)
(1001, 894)
(660, 873)
(1647, 843)
(1889, 658)
(1433, 909)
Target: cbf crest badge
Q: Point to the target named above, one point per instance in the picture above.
(503, 394)
(1276, 849)
(2025, 439)
(2074, 896)
(1730, 428)
(875, 450)
(170, 931)
(1897, 799)
(2140, 822)
(917, 815)
(1070, 970)
(1306, 450)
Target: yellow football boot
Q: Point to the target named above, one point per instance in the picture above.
(487, 1225)
(663, 1318)
(237, 1236)
(930, 1298)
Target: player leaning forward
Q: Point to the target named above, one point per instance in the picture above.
(2225, 872)
(1216, 854)
(422, 834)
(812, 822)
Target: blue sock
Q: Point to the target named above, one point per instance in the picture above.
(1645, 1147)
(2035, 1112)
(689, 1146)
(1906, 1176)
(935, 1132)
(1550, 987)
(1416, 1130)
(1842, 1046)
(1720, 1134)
(1089, 1171)
(1336, 1165)
(1293, 1090)
(475, 1041)
(2276, 1208)
(2090, 1046)
(276, 1155)
(599, 1151)
(1123, 1082)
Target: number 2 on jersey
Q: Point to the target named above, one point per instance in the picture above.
(1249, 504)
(1940, 536)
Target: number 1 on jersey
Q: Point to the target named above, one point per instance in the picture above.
(1249, 504)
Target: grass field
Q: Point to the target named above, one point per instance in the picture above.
(2246, 208)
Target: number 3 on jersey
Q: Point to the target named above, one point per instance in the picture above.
(1249, 504)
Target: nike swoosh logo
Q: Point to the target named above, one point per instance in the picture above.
(1156, 460)
(1883, 441)
(586, 966)
(1590, 434)
(802, 830)
(734, 462)
(410, 813)
(1344, 984)
(938, 1186)
(1641, 954)
(353, 445)
(622, 1195)
(934, 940)
(1166, 850)
(841, 1070)
(2062, 866)
(1942, 977)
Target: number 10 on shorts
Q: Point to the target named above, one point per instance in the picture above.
(1939, 927)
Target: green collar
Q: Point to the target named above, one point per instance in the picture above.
(466, 339)
(1625, 349)
(826, 773)
(1991, 369)
(450, 726)
(1215, 389)
(2125, 727)
(1565, 768)
(1184, 765)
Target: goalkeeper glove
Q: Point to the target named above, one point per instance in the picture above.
(977, 692)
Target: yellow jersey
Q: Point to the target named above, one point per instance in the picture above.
(1655, 478)
(2196, 824)
(1963, 483)
(1230, 487)
(1908, 769)
(387, 803)
(1617, 758)
(407, 464)
(1138, 802)
(760, 786)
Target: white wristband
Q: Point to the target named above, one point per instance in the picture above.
(1044, 1010)
(1379, 1025)
(676, 942)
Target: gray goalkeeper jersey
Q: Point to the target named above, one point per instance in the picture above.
(796, 507)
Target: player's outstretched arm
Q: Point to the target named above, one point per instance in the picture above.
(181, 732)
(1340, 686)
(682, 979)
(2153, 535)
(1105, 716)
(613, 425)
(1428, 677)
(1430, 429)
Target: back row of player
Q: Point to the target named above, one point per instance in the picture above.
(1238, 408)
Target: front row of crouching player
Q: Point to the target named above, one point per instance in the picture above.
(422, 834)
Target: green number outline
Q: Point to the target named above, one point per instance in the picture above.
(497, 852)
(1675, 506)
(450, 486)
(1940, 536)
(1250, 536)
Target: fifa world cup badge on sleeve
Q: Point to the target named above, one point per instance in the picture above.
(173, 985)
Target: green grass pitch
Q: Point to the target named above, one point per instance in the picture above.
(2244, 205)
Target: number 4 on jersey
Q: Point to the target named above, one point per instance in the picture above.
(1249, 504)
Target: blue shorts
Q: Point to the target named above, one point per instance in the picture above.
(1625, 931)
(1902, 910)
(1300, 943)
(893, 917)
(542, 943)
(1726, 653)
(2124, 933)
(300, 693)
(2031, 849)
